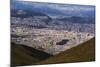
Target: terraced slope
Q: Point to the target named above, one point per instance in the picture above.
(80, 53)
(23, 55)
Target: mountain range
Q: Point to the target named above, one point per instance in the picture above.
(70, 12)
(55, 9)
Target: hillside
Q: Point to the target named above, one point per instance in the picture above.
(81, 53)
(24, 55)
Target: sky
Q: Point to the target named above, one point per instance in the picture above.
(84, 2)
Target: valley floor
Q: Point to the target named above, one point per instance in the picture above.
(49, 41)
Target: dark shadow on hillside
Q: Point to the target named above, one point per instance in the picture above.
(23, 55)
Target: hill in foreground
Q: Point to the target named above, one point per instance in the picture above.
(80, 53)
(23, 55)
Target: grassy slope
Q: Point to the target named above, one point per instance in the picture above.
(23, 55)
(80, 53)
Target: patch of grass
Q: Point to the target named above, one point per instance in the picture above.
(80, 53)
(23, 55)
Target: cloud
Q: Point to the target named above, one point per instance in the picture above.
(85, 2)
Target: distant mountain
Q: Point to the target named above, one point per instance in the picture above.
(25, 13)
(78, 19)
(35, 7)
(55, 9)
(64, 12)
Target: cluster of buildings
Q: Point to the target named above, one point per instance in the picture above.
(25, 31)
(46, 39)
(42, 22)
